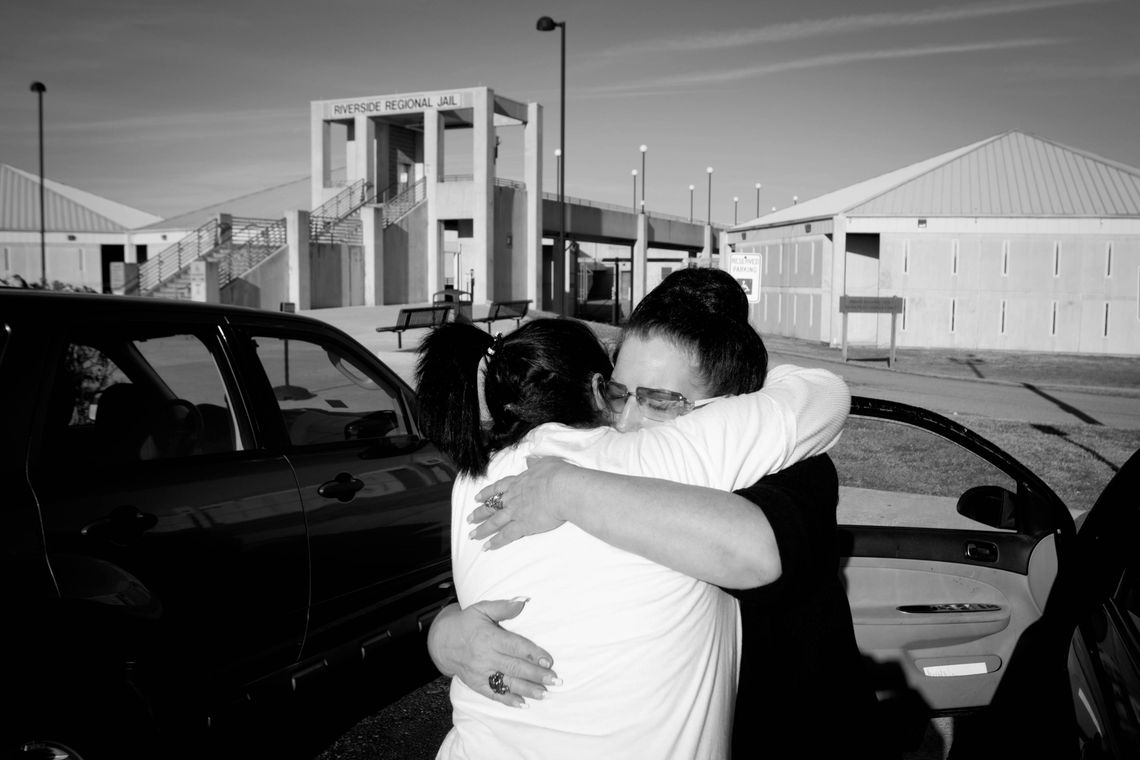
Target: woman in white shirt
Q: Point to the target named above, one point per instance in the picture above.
(647, 655)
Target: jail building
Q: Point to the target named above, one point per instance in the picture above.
(1015, 242)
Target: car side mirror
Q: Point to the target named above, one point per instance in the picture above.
(990, 505)
(375, 425)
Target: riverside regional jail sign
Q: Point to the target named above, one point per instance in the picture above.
(393, 104)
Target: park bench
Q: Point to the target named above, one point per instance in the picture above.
(419, 316)
(515, 310)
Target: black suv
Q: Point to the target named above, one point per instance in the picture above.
(211, 512)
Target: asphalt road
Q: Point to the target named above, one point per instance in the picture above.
(1008, 401)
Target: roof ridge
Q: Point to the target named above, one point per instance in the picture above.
(1087, 154)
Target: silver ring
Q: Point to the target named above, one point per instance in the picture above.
(495, 502)
(497, 682)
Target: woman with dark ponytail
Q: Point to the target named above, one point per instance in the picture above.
(647, 656)
(545, 371)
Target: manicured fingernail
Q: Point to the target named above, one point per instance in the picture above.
(472, 534)
(523, 599)
(523, 706)
(552, 680)
(544, 662)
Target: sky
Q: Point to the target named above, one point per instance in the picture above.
(169, 107)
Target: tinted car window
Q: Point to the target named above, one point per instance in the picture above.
(324, 396)
(137, 397)
(894, 474)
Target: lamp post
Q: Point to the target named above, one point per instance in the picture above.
(691, 189)
(758, 186)
(735, 206)
(547, 24)
(795, 199)
(644, 149)
(634, 173)
(708, 213)
(39, 89)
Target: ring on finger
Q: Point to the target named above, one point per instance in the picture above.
(497, 682)
(495, 502)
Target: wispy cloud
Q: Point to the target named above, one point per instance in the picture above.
(801, 30)
(814, 62)
(1053, 71)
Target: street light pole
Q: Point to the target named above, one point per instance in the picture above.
(634, 172)
(547, 24)
(39, 89)
(708, 212)
(691, 189)
(735, 206)
(758, 186)
(644, 148)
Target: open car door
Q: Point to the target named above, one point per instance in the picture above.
(949, 550)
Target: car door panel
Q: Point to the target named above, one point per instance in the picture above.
(938, 599)
(209, 546)
(376, 495)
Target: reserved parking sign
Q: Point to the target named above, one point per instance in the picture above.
(745, 267)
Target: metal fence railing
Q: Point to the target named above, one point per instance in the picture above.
(256, 246)
(172, 260)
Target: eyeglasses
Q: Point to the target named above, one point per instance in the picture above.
(655, 403)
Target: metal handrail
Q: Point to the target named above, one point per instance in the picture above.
(404, 201)
(172, 260)
(345, 202)
(259, 245)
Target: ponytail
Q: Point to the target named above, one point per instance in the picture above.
(447, 380)
(542, 372)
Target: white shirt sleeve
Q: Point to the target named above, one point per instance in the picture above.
(729, 443)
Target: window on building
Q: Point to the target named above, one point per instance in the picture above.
(780, 263)
(1106, 320)
(1053, 327)
(1056, 258)
(1002, 330)
(1004, 258)
(1108, 259)
(812, 266)
(953, 313)
(906, 256)
(954, 257)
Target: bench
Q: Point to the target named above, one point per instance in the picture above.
(420, 316)
(515, 310)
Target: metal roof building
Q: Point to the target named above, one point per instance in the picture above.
(1013, 242)
(83, 233)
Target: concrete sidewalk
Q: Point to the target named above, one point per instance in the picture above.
(1118, 375)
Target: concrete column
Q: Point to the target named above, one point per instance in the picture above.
(365, 154)
(204, 281)
(831, 327)
(319, 153)
(372, 231)
(708, 251)
(532, 174)
(482, 258)
(639, 268)
(297, 239)
(433, 173)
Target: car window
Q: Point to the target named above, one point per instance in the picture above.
(326, 396)
(119, 397)
(893, 474)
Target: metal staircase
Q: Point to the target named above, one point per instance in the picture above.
(246, 242)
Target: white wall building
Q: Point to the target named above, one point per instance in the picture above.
(1014, 242)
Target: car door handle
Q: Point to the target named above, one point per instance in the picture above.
(342, 488)
(981, 551)
(123, 526)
